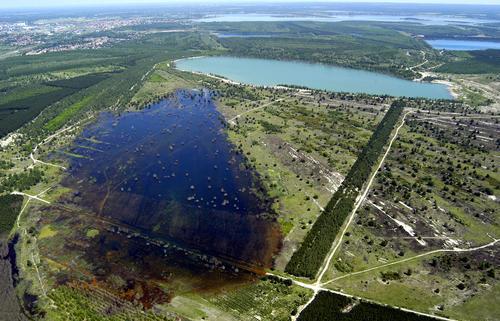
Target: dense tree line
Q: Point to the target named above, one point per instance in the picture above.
(9, 209)
(21, 181)
(307, 260)
(329, 306)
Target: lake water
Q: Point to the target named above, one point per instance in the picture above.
(266, 72)
(430, 19)
(169, 170)
(451, 44)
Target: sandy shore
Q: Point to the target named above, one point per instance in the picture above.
(453, 88)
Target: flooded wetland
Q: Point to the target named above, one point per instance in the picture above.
(159, 200)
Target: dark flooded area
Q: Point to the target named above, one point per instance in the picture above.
(125, 265)
(10, 307)
(170, 172)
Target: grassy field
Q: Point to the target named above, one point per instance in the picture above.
(67, 114)
(308, 259)
(162, 81)
(452, 285)
(435, 191)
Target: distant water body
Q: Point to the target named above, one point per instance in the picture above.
(430, 19)
(266, 72)
(451, 44)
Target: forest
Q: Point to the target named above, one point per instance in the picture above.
(474, 62)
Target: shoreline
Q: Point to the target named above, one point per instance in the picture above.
(187, 58)
(451, 87)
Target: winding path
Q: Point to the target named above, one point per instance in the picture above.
(422, 63)
(455, 250)
(33, 259)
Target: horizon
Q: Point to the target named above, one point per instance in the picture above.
(34, 4)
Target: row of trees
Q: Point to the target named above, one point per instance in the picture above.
(330, 306)
(307, 260)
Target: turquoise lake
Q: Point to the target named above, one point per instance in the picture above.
(451, 44)
(266, 72)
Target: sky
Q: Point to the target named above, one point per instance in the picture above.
(48, 3)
